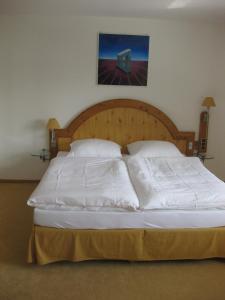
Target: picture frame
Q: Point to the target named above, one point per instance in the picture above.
(123, 59)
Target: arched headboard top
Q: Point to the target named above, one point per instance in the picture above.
(124, 121)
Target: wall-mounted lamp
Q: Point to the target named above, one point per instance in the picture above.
(208, 102)
(52, 125)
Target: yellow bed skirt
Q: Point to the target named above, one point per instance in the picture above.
(48, 245)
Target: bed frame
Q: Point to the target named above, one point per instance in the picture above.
(124, 121)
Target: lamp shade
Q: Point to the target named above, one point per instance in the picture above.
(53, 124)
(208, 102)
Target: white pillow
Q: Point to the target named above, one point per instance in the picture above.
(154, 149)
(94, 148)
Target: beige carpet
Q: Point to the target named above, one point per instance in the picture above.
(200, 280)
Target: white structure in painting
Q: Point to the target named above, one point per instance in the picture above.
(124, 60)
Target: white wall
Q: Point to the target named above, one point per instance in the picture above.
(48, 68)
(217, 115)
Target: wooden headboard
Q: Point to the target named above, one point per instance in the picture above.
(123, 121)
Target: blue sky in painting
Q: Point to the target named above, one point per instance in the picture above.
(111, 44)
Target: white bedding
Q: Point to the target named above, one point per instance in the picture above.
(70, 183)
(175, 183)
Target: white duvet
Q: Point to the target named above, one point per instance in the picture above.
(175, 183)
(71, 183)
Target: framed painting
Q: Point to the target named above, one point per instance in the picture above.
(123, 59)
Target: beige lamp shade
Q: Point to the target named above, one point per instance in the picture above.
(53, 124)
(208, 102)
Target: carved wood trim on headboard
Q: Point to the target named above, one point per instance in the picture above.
(124, 121)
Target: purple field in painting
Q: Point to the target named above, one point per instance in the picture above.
(110, 74)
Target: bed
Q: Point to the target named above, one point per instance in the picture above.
(137, 236)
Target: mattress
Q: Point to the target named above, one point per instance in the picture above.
(109, 218)
(124, 219)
